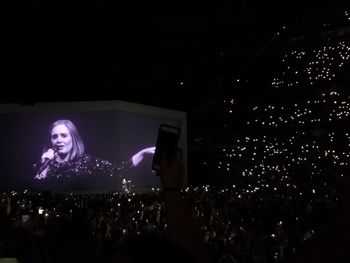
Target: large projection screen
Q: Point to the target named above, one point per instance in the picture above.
(112, 131)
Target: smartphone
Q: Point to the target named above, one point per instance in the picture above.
(167, 143)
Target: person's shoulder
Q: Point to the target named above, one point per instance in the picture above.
(84, 157)
(90, 160)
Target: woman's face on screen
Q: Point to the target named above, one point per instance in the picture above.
(61, 139)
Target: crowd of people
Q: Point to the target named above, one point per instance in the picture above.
(237, 225)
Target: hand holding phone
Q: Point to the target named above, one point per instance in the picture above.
(172, 176)
(166, 145)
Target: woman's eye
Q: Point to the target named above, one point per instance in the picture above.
(64, 135)
(54, 136)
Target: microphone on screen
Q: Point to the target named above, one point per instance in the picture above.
(46, 161)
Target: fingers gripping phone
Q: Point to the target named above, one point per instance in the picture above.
(167, 144)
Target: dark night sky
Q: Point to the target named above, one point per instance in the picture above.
(141, 52)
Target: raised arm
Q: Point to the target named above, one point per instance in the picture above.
(181, 226)
(138, 157)
(120, 170)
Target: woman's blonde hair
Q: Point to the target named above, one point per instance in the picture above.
(78, 147)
